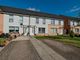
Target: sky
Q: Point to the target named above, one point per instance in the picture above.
(59, 7)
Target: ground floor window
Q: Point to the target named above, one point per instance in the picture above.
(41, 30)
(54, 30)
(13, 29)
(77, 30)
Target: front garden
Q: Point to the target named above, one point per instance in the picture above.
(75, 41)
(2, 42)
(3, 39)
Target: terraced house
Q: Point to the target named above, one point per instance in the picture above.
(36, 23)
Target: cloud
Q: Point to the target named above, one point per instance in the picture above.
(73, 9)
(33, 9)
(75, 6)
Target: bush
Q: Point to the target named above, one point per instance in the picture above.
(77, 35)
(7, 35)
(2, 42)
(4, 35)
(71, 34)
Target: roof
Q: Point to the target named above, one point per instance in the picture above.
(6, 9)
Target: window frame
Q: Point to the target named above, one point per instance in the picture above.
(54, 30)
(37, 20)
(41, 30)
(44, 21)
(13, 28)
(21, 19)
(53, 21)
(11, 18)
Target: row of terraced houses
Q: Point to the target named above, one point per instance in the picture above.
(36, 23)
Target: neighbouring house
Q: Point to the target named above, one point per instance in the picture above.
(36, 23)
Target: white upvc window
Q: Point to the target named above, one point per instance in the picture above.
(13, 29)
(53, 21)
(77, 30)
(54, 30)
(21, 19)
(44, 21)
(37, 20)
(41, 30)
(11, 18)
(59, 22)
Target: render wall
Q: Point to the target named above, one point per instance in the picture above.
(26, 19)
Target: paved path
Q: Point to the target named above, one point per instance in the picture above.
(26, 48)
(21, 49)
(1, 48)
(21, 38)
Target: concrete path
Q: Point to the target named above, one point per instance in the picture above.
(20, 49)
(1, 48)
(21, 38)
(26, 48)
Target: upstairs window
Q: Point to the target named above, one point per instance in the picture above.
(73, 23)
(37, 20)
(44, 21)
(53, 21)
(11, 18)
(59, 22)
(21, 19)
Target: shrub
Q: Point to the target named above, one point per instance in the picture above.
(2, 42)
(4, 35)
(71, 34)
(7, 35)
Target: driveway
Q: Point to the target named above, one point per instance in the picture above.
(27, 48)
(21, 49)
(67, 51)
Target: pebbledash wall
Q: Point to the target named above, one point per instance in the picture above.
(39, 25)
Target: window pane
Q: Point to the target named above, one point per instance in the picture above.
(41, 30)
(53, 22)
(44, 21)
(59, 22)
(10, 18)
(37, 20)
(21, 19)
(54, 30)
(13, 29)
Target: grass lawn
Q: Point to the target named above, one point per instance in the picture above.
(2, 41)
(75, 41)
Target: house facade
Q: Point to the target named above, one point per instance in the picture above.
(35, 23)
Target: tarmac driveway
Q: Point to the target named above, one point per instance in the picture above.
(19, 50)
(67, 51)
